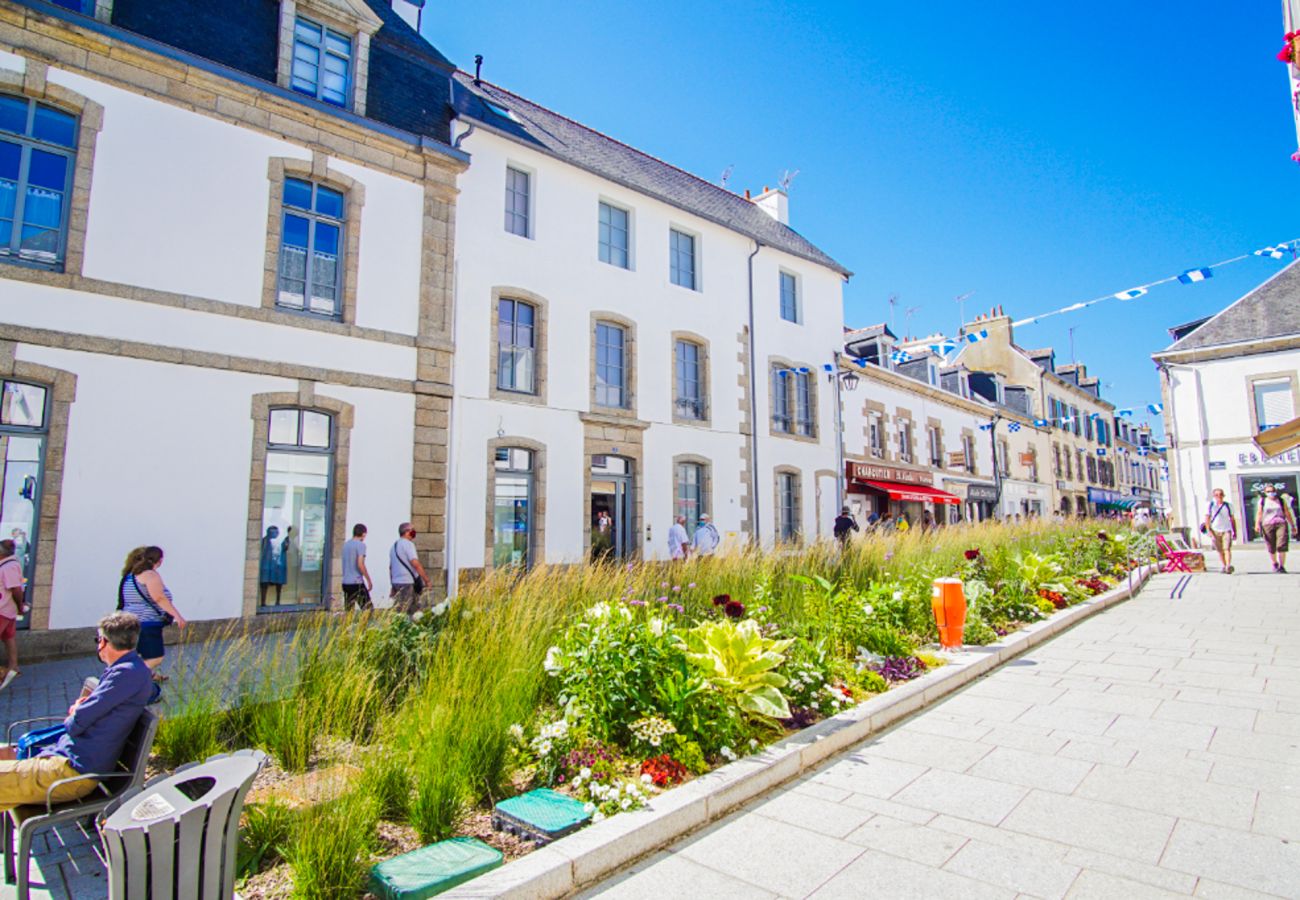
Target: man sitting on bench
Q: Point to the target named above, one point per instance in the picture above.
(98, 724)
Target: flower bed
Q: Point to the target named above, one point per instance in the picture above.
(607, 683)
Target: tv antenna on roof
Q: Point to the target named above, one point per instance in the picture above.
(726, 174)
(907, 318)
(961, 310)
(786, 177)
(893, 313)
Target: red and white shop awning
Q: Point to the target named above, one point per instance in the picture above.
(913, 493)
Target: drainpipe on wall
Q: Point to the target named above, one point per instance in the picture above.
(753, 408)
(449, 542)
(839, 434)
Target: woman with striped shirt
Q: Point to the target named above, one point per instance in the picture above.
(143, 594)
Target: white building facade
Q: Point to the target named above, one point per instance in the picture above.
(610, 369)
(1225, 381)
(223, 304)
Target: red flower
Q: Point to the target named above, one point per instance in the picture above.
(663, 770)
(973, 554)
(1285, 54)
(721, 599)
(734, 609)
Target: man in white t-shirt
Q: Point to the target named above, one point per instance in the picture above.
(679, 544)
(1221, 525)
(403, 570)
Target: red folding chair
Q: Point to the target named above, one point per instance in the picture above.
(1175, 560)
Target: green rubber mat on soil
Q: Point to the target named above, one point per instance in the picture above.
(542, 814)
(433, 869)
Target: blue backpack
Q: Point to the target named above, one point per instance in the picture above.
(33, 742)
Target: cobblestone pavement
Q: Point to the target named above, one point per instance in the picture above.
(1152, 751)
(64, 863)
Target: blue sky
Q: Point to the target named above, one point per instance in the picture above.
(1032, 155)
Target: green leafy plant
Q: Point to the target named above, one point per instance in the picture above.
(263, 835)
(331, 847)
(740, 662)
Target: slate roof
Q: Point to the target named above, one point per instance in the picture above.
(583, 147)
(396, 31)
(1270, 310)
(871, 331)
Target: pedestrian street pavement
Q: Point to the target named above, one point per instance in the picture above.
(1152, 751)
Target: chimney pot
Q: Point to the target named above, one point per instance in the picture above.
(746, 193)
(766, 189)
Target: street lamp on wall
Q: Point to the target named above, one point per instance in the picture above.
(850, 380)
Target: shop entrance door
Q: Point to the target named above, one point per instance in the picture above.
(1252, 486)
(613, 508)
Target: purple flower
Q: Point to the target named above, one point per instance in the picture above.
(677, 588)
(661, 599)
(677, 607)
(663, 584)
(889, 556)
(734, 609)
(691, 585)
(762, 609)
(636, 603)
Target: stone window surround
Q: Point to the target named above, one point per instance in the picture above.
(972, 460)
(341, 413)
(603, 436)
(777, 472)
(748, 477)
(540, 309)
(318, 172)
(779, 362)
(537, 514)
(706, 379)
(936, 425)
(344, 16)
(904, 420)
(628, 409)
(1260, 377)
(62, 388)
(1004, 450)
(706, 481)
(32, 84)
(875, 410)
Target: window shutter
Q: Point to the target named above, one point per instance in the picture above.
(1273, 404)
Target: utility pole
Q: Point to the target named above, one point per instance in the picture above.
(997, 469)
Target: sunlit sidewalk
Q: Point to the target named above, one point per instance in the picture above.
(1152, 751)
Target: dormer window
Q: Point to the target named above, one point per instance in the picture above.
(322, 62)
(325, 50)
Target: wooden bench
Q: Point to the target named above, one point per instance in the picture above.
(27, 820)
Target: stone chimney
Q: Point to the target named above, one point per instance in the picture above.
(996, 323)
(410, 11)
(776, 203)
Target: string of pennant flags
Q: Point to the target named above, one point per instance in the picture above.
(1191, 276)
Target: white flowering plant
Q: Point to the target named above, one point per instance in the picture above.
(650, 733)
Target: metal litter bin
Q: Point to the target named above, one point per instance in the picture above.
(177, 837)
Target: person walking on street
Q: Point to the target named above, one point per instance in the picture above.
(356, 577)
(141, 593)
(13, 604)
(1221, 525)
(405, 572)
(679, 544)
(98, 725)
(1275, 521)
(844, 523)
(707, 538)
(903, 525)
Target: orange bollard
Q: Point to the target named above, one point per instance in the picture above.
(949, 602)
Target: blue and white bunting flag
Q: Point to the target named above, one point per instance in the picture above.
(827, 367)
(1101, 451)
(987, 427)
(1066, 420)
(974, 337)
(1126, 413)
(1275, 252)
(944, 347)
(900, 356)
(802, 370)
(1143, 451)
(1041, 423)
(1131, 294)
(1191, 276)
(1094, 416)
(1155, 408)
(1013, 426)
(860, 360)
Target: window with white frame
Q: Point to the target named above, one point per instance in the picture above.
(803, 404)
(875, 436)
(681, 259)
(781, 418)
(322, 62)
(311, 248)
(968, 452)
(787, 496)
(516, 345)
(936, 446)
(1004, 454)
(1273, 403)
(37, 158)
(789, 297)
(611, 365)
(905, 440)
(615, 236)
(688, 359)
(518, 196)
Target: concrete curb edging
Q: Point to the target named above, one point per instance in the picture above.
(599, 850)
